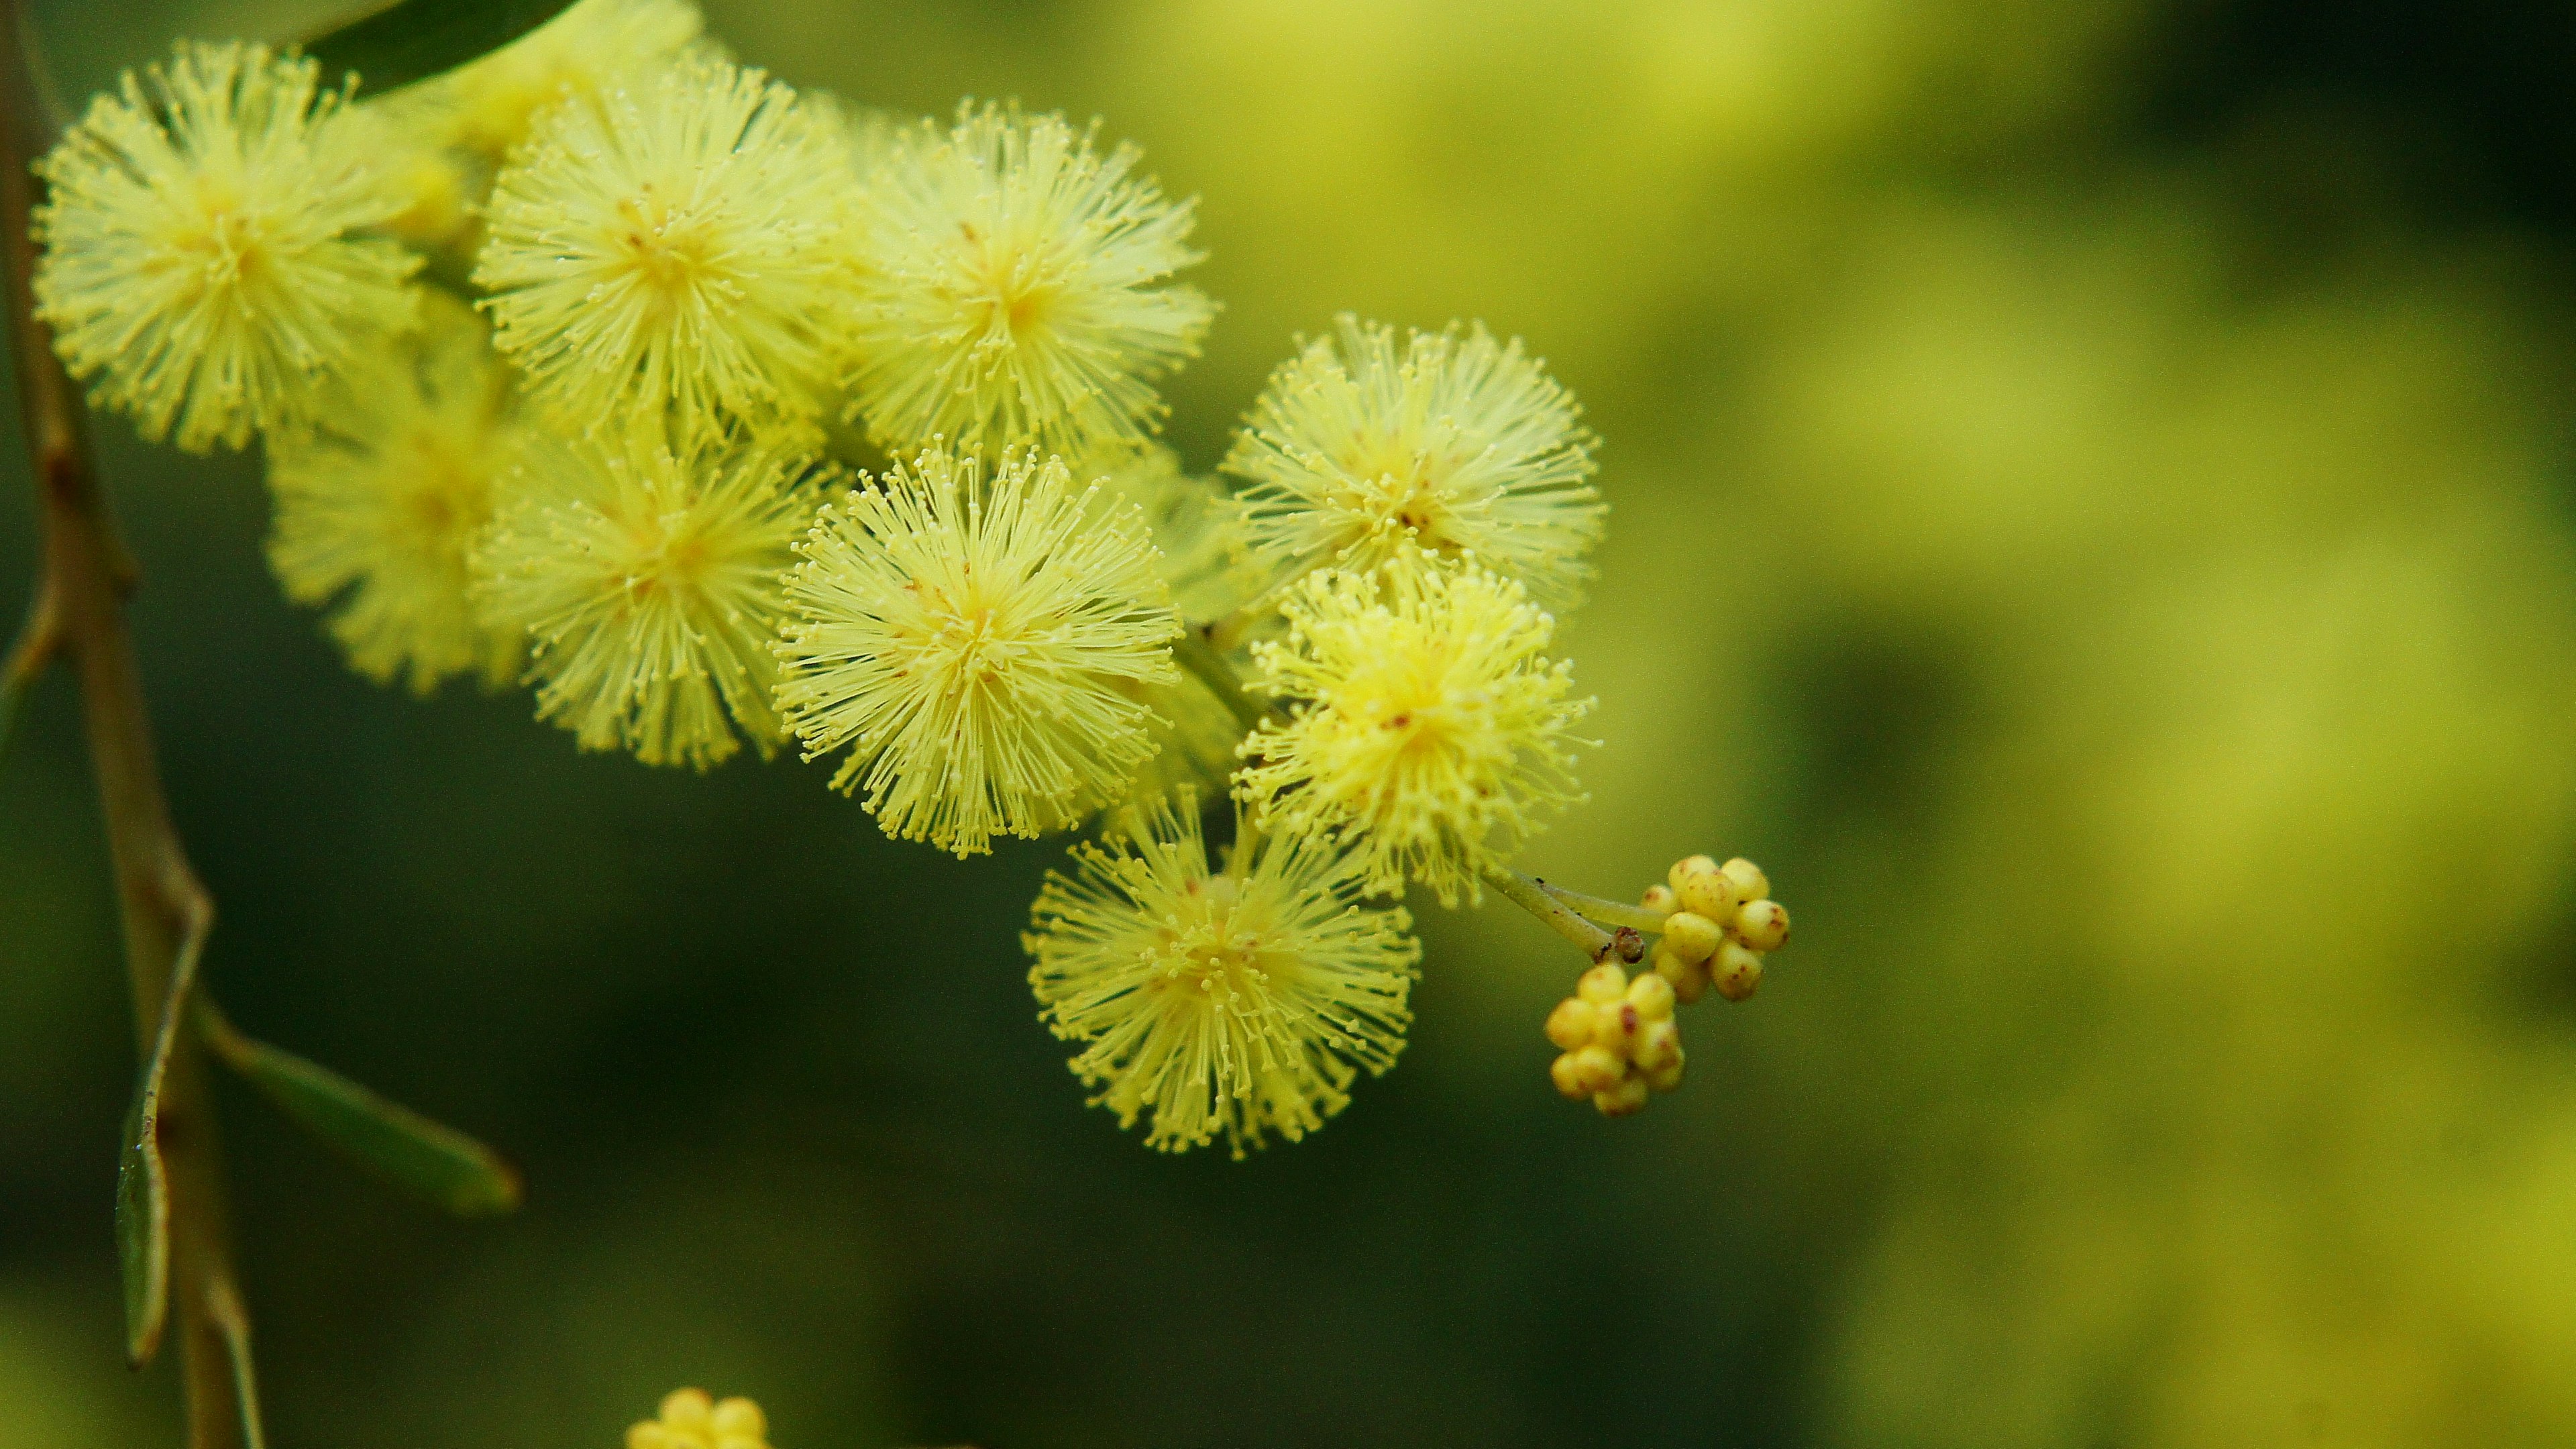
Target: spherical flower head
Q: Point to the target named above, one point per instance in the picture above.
(379, 507)
(1360, 455)
(978, 646)
(1227, 1002)
(692, 1419)
(1013, 289)
(202, 263)
(673, 250)
(648, 584)
(485, 106)
(1429, 734)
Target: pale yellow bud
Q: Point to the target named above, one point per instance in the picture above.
(1667, 1076)
(1659, 1045)
(1622, 1100)
(1736, 971)
(1661, 899)
(1567, 1073)
(687, 1408)
(740, 1418)
(1750, 883)
(1570, 1025)
(1709, 893)
(1762, 925)
(1651, 996)
(1689, 978)
(1692, 936)
(1683, 868)
(650, 1435)
(1615, 1025)
(1603, 984)
(1598, 1069)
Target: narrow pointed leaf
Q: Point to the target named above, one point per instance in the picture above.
(412, 40)
(142, 1186)
(428, 1158)
(224, 1307)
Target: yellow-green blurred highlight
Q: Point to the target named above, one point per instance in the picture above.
(2141, 641)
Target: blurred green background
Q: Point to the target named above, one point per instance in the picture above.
(2092, 515)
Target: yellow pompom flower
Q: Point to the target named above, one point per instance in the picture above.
(1429, 734)
(201, 263)
(1232, 1002)
(977, 646)
(379, 506)
(484, 107)
(674, 252)
(1457, 446)
(693, 1419)
(1013, 289)
(648, 584)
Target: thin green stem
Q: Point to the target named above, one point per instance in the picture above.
(1530, 895)
(1607, 912)
(1193, 652)
(37, 644)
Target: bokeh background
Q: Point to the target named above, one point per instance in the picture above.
(2093, 517)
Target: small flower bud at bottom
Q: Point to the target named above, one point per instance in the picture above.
(1762, 925)
(1689, 978)
(1621, 1101)
(1736, 971)
(1615, 1026)
(1692, 936)
(1667, 1076)
(1658, 1045)
(1603, 984)
(687, 1408)
(1652, 997)
(1630, 943)
(1683, 868)
(1750, 883)
(1567, 1073)
(1709, 893)
(1598, 1069)
(1570, 1025)
(1661, 899)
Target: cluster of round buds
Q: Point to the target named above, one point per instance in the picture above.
(1719, 922)
(694, 1419)
(1619, 1039)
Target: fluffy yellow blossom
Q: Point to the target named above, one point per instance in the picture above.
(200, 262)
(595, 46)
(978, 646)
(1428, 733)
(1229, 1002)
(674, 252)
(691, 1419)
(1013, 289)
(1456, 446)
(379, 506)
(648, 583)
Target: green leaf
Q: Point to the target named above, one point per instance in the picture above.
(142, 1185)
(412, 40)
(142, 1237)
(224, 1307)
(394, 1142)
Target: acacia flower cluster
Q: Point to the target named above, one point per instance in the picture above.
(693, 1419)
(553, 356)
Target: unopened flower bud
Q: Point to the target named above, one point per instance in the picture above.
(1567, 1073)
(1660, 899)
(1598, 1069)
(1658, 1045)
(1689, 978)
(1692, 936)
(1615, 1025)
(1762, 925)
(1736, 971)
(1603, 984)
(1750, 883)
(1667, 1076)
(1709, 893)
(1682, 869)
(1652, 996)
(1622, 1100)
(1570, 1025)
